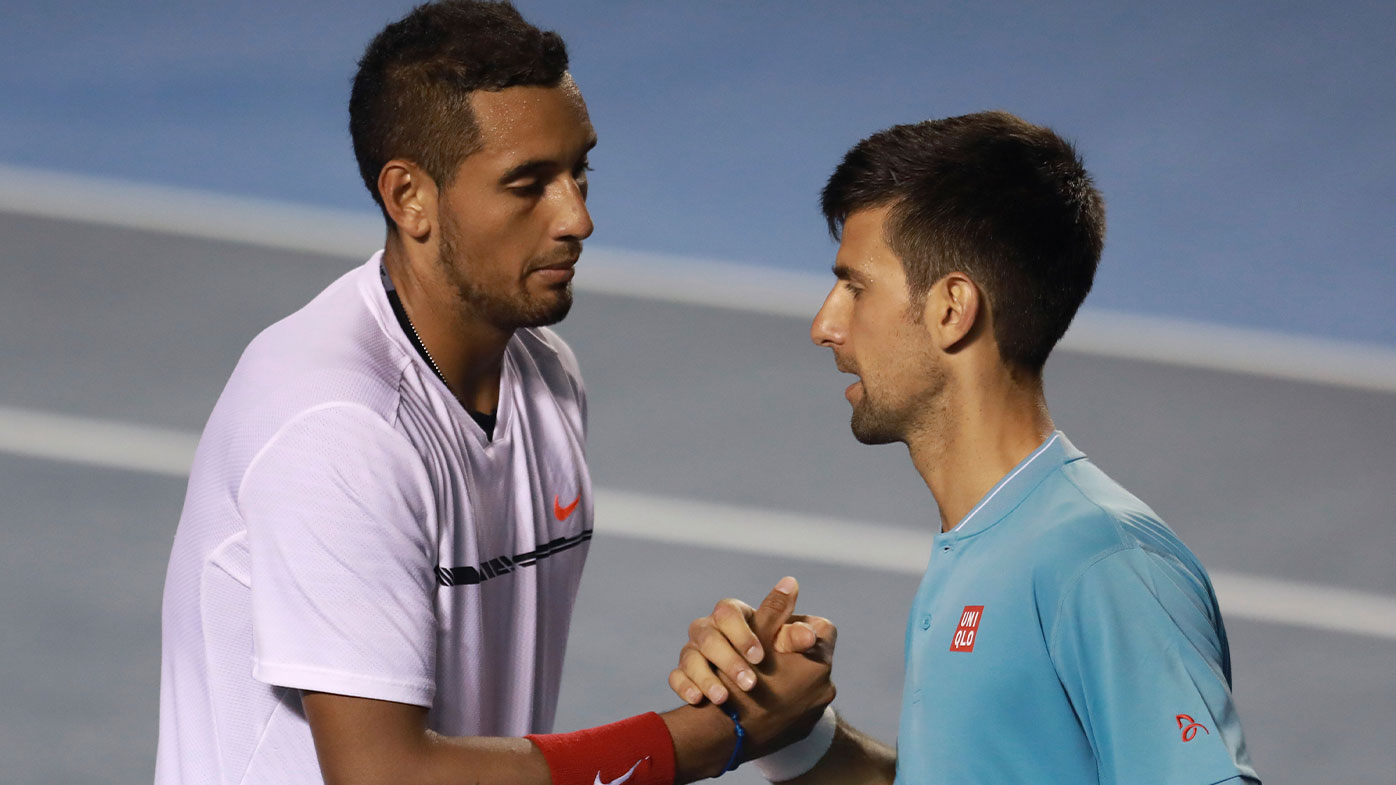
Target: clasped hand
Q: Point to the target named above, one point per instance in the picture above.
(771, 664)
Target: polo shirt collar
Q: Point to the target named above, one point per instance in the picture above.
(1015, 486)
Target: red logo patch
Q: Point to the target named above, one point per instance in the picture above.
(1189, 727)
(968, 628)
(561, 512)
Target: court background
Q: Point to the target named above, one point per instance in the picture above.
(1249, 176)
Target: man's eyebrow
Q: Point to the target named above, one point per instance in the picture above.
(845, 273)
(539, 166)
(536, 166)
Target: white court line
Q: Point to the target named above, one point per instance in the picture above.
(747, 530)
(94, 442)
(353, 235)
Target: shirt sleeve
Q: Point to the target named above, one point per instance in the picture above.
(341, 528)
(1141, 658)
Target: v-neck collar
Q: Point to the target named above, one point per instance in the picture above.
(400, 333)
(1015, 486)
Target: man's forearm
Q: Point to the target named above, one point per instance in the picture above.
(703, 739)
(366, 741)
(360, 741)
(451, 760)
(854, 757)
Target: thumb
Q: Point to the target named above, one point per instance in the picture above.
(775, 610)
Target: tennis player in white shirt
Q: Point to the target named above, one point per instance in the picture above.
(389, 510)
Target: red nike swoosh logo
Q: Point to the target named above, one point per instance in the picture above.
(561, 512)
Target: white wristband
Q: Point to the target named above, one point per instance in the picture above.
(800, 757)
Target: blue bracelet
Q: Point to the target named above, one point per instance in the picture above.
(735, 761)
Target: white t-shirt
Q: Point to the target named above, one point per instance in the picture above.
(349, 528)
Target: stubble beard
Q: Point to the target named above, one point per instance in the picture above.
(885, 422)
(509, 311)
(874, 425)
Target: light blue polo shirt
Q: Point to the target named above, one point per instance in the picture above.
(1063, 634)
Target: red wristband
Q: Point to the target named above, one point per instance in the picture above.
(637, 751)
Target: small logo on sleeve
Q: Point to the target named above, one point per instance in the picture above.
(968, 628)
(1189, 727)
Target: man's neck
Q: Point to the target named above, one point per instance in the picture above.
(468, 351)
(985, 432)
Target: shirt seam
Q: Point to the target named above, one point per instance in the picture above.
(262, 737)
(213, 560)
(1067, 589)
(1071, 582)
(296, 419)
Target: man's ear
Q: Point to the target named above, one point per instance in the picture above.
(410, 197)
(954, 306)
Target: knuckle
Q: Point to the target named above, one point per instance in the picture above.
(690, 658)
(725, 602)
(826, 629)
(709, 638)
(696, 626)
(714, 645)
(725, 613)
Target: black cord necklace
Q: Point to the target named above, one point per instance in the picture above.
(485, 421)
(406, 323)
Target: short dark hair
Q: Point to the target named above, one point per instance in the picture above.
(411, 95)
(1006, 202)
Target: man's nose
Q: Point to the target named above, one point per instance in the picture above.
(573, 219)
(827, 328)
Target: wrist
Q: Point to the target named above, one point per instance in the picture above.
(800, 757)
(703, 741)
(736, 759)
(639, 750)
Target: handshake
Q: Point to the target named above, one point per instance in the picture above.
(767, 667)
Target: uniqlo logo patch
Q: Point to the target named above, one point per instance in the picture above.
(968, 629)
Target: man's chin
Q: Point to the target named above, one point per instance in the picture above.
(549, 308)
(870, 430)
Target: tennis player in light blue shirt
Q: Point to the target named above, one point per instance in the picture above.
(1062, 633)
